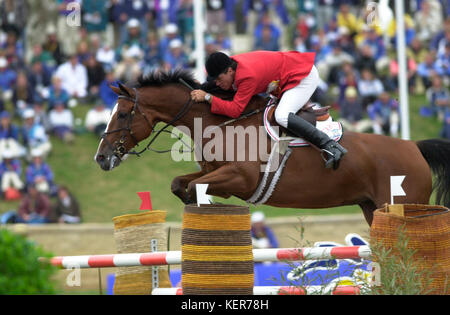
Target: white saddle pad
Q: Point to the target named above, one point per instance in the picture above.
(332, 128)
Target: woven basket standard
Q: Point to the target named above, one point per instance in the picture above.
(216, 250)
(428, 229)
(133, 234)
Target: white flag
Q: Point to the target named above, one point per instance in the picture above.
(202, 197)
(396, 187)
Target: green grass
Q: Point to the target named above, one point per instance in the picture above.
(103, 195)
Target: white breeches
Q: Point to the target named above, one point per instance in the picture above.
(295, 98)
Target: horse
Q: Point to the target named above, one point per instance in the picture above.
(362, 179)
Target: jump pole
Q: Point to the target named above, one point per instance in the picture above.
(174, 257)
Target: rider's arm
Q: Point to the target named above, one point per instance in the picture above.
(246, 89)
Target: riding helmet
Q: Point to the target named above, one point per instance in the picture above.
(216, 64)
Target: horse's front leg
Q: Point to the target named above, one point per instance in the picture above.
(222, 182)
(180, 184)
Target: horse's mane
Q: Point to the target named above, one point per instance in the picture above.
(160, 78)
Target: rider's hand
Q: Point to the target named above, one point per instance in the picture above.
(198, 95)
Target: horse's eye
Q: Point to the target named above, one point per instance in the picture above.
(122, 115)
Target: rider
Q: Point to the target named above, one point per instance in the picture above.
(251, 73)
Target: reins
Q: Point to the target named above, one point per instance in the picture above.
(186, 107)
(120, 150)
(247, 115)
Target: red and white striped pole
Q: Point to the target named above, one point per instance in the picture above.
(174, 257)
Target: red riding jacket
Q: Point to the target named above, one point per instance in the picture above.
(256, 70)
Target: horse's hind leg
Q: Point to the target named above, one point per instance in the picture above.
(368, 207)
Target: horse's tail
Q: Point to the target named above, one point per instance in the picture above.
(437, 154)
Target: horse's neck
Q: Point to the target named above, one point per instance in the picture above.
(197, 111)
(203, 111)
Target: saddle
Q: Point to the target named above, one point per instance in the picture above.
(311, 112)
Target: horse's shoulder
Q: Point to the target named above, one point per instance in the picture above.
(256, 102)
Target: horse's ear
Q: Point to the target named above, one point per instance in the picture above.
(125, 91)
(116, 90)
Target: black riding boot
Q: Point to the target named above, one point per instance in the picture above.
(305, 130)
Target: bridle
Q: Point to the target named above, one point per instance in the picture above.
(118, 148)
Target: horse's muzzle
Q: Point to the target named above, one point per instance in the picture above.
(107, 162)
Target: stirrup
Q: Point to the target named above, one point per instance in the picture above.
(331, 160)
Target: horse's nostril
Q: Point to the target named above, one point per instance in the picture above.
(100, 158)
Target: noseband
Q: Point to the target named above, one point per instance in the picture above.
(119, 149)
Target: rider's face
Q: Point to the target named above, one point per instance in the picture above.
(225, 80)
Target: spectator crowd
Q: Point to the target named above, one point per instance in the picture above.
(59, 54)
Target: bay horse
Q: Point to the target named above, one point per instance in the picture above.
(362, 179)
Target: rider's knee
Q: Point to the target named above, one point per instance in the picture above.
(281, 117)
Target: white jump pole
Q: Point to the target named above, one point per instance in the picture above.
(199, 32)
(403, 72)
